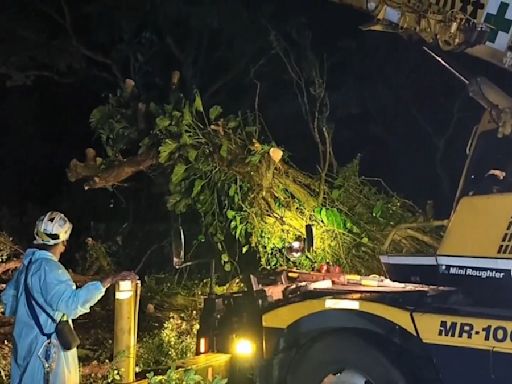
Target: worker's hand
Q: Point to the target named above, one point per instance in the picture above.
(125, 275)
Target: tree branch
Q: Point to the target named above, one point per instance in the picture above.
(10, 265)
(406, 230)
(67, 23)
(112, 175)
(29, 75)
(440, 141)
(258, 89)
(309, 82)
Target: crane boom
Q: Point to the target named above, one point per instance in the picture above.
(481, 28)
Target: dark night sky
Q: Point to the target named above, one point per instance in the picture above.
(45, 124)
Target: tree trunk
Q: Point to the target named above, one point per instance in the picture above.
(112, 175)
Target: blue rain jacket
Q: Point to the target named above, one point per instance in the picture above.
(51, 285)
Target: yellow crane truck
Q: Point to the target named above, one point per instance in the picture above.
(444, 318)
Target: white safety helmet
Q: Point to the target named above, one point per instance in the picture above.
(52, 228)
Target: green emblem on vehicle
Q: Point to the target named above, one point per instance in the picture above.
(499, 21)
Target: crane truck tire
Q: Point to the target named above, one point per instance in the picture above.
(344, 359)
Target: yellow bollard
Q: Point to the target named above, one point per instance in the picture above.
(126, 309)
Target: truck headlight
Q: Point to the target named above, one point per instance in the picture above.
(243, 347)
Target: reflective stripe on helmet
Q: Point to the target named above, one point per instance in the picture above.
(52, 228)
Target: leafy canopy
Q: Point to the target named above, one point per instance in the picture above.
(244, 188)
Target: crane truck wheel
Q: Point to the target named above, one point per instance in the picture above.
(344, 359)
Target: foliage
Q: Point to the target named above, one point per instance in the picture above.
(172, 376)
(246, 190)
(5, 362)
(96, 260)
(7, 247)
(176, 340)
(116, 120)
(168, 292)
(180, 304)
(188, 376)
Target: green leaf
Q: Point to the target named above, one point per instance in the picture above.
(176, 117)
(178, 173)
(198, 103)
(197, 186)
(224, 257)
(168, 109)
(334, 218)
(162, 122)
(187, 116)
(227, 267)
(145, 144)
(323, 215)
(190, 377)
(172, 200)
(336, 193)
(191, 154)
(240, 229)
(182, 205)
(233, 123)
(377, 210)
(97, 115)
(214, 112)
(245, 248)
(166, 150)
(185, 139)
(230, 214)
(224, 148)
(232, 190)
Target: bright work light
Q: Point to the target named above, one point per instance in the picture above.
(244, 347)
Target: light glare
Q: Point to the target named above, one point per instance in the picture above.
(202, 345)
(244, 347)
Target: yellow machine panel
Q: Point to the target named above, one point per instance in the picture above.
(431, 328)
(282, 317)
(480, 227)
(466, 332)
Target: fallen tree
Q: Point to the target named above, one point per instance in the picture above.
(10, 265)
(10, 255)
(219, 167)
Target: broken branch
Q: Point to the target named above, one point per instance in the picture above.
(10, 265)
(112, 175)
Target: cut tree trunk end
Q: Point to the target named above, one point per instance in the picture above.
(111, 175)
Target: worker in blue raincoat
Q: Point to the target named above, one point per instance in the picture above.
(37, 356)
